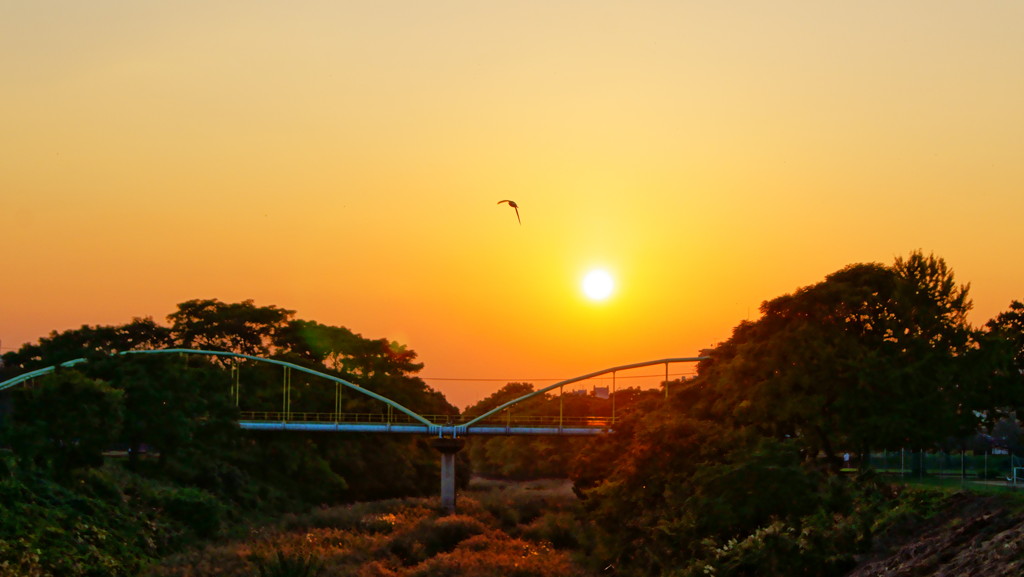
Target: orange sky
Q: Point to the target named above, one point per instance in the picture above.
(344, 159)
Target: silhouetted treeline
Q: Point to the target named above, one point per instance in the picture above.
(175, 419)
(737, 473)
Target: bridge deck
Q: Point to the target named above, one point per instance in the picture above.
(446, 425)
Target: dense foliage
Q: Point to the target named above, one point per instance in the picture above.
(538, 457)
(98, 521)
(174, 418)
(501, 531)
(873, 356)
(738, 473)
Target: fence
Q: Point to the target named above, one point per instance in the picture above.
(986, 465)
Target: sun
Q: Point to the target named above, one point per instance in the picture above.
(598, 285)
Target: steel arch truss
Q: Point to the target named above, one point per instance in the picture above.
(417, 424)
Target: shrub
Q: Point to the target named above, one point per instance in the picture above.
(448, 532)
(558, 528)
(434, 535)
(196, 509)
(283, 564)
(97, 483)
(371, 517)
(495, 556)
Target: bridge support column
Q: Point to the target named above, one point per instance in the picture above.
(448, 446)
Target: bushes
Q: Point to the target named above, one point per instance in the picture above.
(282, 564)
(47, 529)
(64, 422)
(433, 535)
(197, 510)
(515, 505)
(495, 556)
(560, 529)
(690, 495)
(394, 538)
(104, 521)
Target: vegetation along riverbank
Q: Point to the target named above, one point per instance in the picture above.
(136, 464)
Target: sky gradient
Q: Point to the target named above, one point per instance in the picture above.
(345, 159)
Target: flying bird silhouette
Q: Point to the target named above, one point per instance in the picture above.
(513, 204)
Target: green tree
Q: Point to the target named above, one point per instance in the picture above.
(512, 457)
(86, 342)
(1002, 351)
(341, 350)
(873, 356)
(167, 403)
(180, 405)
(384, 367)
(65, 420)
(236, 327)
(664, 484)
(533, 457)
(1010, 326)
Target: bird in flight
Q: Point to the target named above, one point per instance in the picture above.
(513, 204)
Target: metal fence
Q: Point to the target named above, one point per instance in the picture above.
(983, 466)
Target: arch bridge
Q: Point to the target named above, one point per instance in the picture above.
(448, 431)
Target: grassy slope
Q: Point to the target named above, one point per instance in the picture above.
(502, 529)
(943, 532)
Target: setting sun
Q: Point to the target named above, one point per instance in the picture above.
(681, 147)
(598, 285)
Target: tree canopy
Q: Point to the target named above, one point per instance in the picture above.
(182, 410)
(873, 356)
(65, 422)
(736, 473)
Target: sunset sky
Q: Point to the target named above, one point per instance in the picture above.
(345, 160)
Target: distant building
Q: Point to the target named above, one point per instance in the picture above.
(600, 392)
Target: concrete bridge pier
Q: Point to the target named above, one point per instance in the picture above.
(448, 446)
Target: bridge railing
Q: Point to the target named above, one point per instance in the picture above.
(541, 420)
(497, 419)
(455, 420)
(316, 417)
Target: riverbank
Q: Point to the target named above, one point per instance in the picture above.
(530, 529)
(502, 528)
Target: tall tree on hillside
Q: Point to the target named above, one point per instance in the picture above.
(235, 327)
(873, 356)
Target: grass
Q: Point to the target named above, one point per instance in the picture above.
(502, 529)
(1002, 488)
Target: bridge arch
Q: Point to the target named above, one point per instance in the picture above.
(447, 441)
(292, 366)
(420, 424)
(464, 429)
